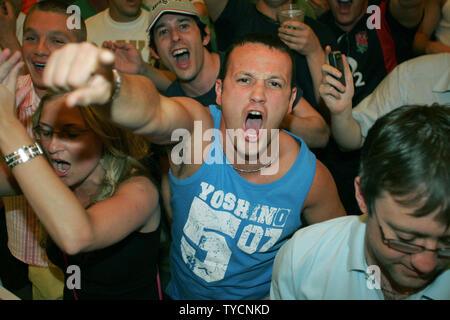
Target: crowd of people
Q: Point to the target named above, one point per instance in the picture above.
(201, 149)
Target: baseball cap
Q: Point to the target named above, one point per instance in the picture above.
(158, 7)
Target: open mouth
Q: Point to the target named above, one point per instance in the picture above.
(253, 125)
(39, 66)
(61, 167)
(345, 4)
(181, 57)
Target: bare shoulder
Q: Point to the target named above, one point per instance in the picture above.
(322, 182)
(289, 150)
(139, 185)
(133, 207)
(196, 110)
(288, 145)
(322, 202)
(322, 176)
(191, 141)
(145, 198)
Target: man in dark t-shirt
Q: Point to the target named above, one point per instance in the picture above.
(375, 40)
(179, 39)
(209, 97)
(375, 36)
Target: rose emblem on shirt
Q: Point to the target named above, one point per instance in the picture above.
(362, 42)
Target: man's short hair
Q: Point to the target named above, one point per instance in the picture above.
(407, 153)
(58, 6)
(198, 22)
(265, 39)
(182, 7)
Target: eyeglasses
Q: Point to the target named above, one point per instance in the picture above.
(69, 134)
(409, 248)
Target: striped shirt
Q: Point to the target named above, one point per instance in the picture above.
(25, 232)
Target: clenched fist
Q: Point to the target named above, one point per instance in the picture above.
(84, 70)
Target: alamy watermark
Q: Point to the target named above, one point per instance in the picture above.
(74, 279)
(373, 279)
(374, 21)
(74, 21)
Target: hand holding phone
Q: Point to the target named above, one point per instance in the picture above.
(335, 59)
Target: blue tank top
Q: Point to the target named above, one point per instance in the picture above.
(226, 231)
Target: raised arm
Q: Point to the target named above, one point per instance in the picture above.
(422, 41)
(8, 19)
(86, 71)
(215, 8)
(10, 65)
(308, 124)
(407, 12)
(128, 60)
(338, 98)
(134, 206)
(301, 38)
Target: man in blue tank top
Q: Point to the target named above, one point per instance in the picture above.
(238, 192)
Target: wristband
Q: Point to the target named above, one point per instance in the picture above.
(23, 154)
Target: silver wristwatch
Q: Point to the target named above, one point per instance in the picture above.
(23, 155)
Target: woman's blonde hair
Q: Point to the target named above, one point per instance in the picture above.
(121, 149)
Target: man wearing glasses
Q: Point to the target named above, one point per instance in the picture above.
(400, 247)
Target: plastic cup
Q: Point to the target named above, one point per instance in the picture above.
(291, 12)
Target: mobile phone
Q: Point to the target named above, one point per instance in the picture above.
(335, 59)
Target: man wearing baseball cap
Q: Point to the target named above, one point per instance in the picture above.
(180, 40)
(186, 55)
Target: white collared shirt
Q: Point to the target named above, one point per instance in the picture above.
(326, 261)
(420, 81)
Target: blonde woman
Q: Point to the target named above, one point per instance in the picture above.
(93, 197)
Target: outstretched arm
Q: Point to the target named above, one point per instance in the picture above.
(8, 19)
(86, 71)
(134, 206)
(128, 60)
(301, 38)
(10, 65)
